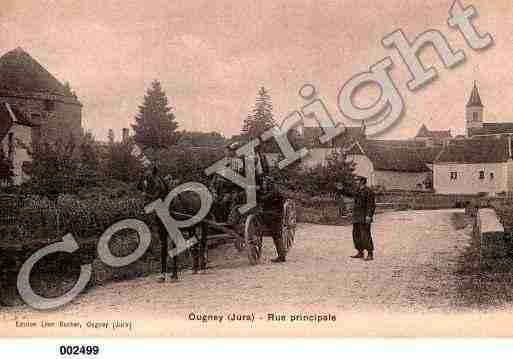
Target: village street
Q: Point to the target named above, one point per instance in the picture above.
(410, 284)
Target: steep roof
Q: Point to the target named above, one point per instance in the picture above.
(311, 136)
(483, 150)
(438, 134)
(475, 99)
(492, 128)
(397, 143)
(390, 157)
(20, 72)
(429, 154)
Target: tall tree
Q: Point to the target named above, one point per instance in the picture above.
(155, 124)
(261, 118)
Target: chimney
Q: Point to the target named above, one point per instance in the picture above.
(111, 136)
(126, 135)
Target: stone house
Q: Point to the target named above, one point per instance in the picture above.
(40, 107)
(391, 165)
(433, 137)
(317, 151)
(477, 165)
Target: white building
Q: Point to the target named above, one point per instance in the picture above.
(394, 164)
(471, 166)
(479, 162)
(317, 151)
(391, 165)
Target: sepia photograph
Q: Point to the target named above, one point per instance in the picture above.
(256, 169)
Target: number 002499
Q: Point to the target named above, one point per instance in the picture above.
(79, 350)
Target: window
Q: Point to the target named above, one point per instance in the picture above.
(491, 176)
(454, 175)
(474, 116)
(481, 175)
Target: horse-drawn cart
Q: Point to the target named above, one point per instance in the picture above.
(247, 235)
(273, 216)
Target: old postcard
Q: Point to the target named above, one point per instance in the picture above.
(279, 168)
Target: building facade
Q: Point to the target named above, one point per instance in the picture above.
(39, 96)
(390, 165)
(44, 109)
(482, 165)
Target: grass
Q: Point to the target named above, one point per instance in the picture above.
(482, 284)
(459, 220)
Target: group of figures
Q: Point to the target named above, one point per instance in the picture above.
(273, 216)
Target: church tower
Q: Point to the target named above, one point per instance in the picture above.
(474, 115)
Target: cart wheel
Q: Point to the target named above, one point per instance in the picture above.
(253, 239)
(288, 224)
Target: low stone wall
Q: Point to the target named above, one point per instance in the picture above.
(329, 213)
(489, 231)
(414, 200)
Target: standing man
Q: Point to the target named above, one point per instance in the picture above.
(363, 215)
(271, 200)
(154, 188)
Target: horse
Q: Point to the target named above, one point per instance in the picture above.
(188, 203)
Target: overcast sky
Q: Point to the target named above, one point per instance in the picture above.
(212, 56)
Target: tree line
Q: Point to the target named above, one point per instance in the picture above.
(64, 166)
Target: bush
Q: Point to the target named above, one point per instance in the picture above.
(184, 163)
(41, 218)
(120, 163)
(53, 169)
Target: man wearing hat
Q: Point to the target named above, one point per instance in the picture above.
(271, 200)
(234, 162)
(228, 192)
(154, 188)
(363, 214)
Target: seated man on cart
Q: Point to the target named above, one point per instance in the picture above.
(227, 194)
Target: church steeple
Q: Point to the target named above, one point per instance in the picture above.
(475, 99)
(474, 111)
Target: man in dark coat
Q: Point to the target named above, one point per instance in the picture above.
(363, 214)
(155, 187)
(271, 200)
(228, 193)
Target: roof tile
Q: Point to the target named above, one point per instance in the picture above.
(485, 150)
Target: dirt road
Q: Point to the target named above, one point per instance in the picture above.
(411, 277)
